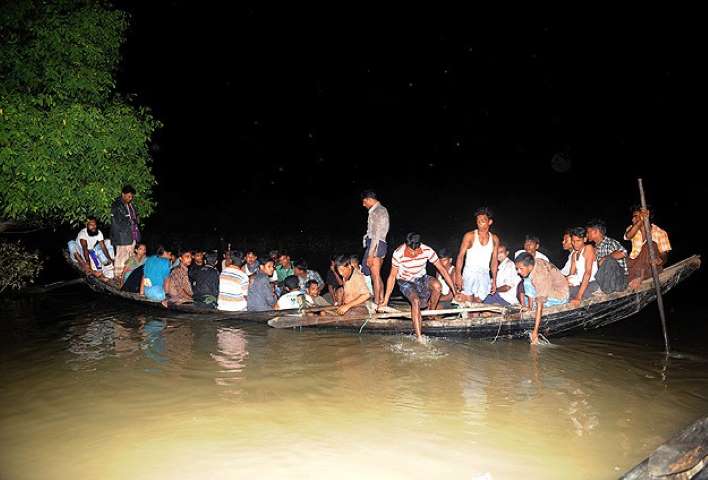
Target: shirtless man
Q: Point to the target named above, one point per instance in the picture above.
(477, 255)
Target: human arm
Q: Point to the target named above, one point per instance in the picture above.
(589, 260)
(495, 264)
(356, 302)
(105, 250)
(537, 321)
(446, 276)
(464, 246)
(87, 259)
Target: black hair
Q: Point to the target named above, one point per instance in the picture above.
(161, 249)
(291, 283)
(354, 258)
(342, 260)
(525, 258)
(444, 253)
(638, 208)
(578, 232)
(267, 260)
(413, 240)
(283, 253)
(182, 252)
(251, 251)
(236, 258)
(567, 231)
(301, 264)
(532, 238)
(273, 254)
(91, 217)
(310, 282)
(128, 189)
(369, 194)
(484, 211)
(597, 223)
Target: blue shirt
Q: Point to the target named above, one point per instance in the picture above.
(260, 294)
(156, 269)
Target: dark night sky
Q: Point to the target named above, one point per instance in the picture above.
(276, 119)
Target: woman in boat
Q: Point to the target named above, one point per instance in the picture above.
(583, 268)
(134, 269)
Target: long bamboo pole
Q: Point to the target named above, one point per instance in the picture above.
(655, 274)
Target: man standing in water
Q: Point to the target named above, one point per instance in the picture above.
(408, 268)
(477, 253)
(375, 241)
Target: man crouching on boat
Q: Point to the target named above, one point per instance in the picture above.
(408, 268)
(543, 283)
(355, 292)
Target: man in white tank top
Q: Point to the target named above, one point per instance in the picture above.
(583, 267)
(477, 254)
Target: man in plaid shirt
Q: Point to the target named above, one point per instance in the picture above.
(611, 258)
(639, 261)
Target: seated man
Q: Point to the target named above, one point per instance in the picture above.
(531, 246)
(507, 280)
(178, 289)
(583, 268)
(92, 252)
(314, 299)
(446, 260)
(233, 285)
(543, 283)
(155, 272)
(354, 259)
(285, 267)
(354, 291)
(252, 265)
(408, 269)
(261, 297)
(334, 282)
(611, 258)
(304, 275)
(293, 297)
(204, 278)
(639, 261)
(567, 244)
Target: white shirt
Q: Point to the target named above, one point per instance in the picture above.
(507, 275)
(91, 241)
(566, 269)
(290, 300)
(538, 255)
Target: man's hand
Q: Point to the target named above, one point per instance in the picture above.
(458, 283)
(370, 261)
(493, 290)
(343, 309)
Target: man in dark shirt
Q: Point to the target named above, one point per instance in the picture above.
(204, 278)
(260, 291)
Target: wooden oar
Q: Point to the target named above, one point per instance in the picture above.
(290, 321)
(654, 272)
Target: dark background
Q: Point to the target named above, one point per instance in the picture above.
(276, 118)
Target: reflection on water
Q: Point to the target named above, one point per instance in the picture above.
(106, 391)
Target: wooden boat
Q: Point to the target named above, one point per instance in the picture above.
(600, 310)
(185, 309)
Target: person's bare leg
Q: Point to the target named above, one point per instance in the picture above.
(435, 289)
(376, 281)
(415, 316)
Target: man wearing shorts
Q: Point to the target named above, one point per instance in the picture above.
(374, 241)
(408, 269)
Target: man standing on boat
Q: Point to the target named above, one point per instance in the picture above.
(375, 241)
(408, 269)
(125, 233)
(477, 253)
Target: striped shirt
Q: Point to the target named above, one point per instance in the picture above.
(233, 289)
(411, 268)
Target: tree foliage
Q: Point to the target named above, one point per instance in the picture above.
(68, 140)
